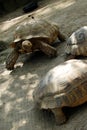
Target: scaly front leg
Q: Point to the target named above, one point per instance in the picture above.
(47, 49)
(11, 59)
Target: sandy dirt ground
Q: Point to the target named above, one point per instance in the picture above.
(17, 110)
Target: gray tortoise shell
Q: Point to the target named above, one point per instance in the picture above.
(77, 42)
(36, 29)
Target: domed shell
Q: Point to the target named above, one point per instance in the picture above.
(77, 42)
(64, 85)
(35, 29)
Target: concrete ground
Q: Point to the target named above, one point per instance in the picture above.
(17, 110)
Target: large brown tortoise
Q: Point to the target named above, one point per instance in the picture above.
(77, 43)
(63, 86)
(34, 35)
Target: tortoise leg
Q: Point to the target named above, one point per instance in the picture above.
(61, 37)
(47, 49)
(11, 59)
(69, 56)
(59, 115)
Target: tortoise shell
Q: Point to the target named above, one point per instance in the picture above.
(36, 29)
(64, 85)
(77, 42)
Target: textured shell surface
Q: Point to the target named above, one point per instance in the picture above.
(77, 42)
(64, 85)
(35, 29)
(78, 36)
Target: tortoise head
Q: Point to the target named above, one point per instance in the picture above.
(27, 46)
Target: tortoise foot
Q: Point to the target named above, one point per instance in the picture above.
(53, 53)
(9, 67)
(60, 120)
(59, 116)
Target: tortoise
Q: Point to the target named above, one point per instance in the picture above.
(77, 43)
(63, 86)
(32, 35)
